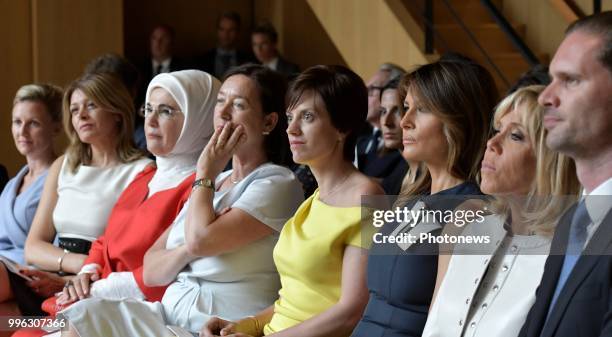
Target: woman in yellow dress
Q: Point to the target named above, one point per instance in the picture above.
(320, 255)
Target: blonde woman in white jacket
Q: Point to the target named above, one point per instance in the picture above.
(487, 289)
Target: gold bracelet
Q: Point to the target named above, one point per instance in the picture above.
(60, 260)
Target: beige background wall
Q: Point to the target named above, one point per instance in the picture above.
(368, 33)
(50, 41)
(302, 37)
(545, 25)
(16, 67)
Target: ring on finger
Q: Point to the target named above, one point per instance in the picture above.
(68, 284)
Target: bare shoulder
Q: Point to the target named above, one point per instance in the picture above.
(364, 185)
(55, 168)
(357, 186)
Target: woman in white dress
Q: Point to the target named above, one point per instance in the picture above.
(81, 186)
(487, 289)
(218, 252)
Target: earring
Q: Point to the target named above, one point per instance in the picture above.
(265, 133)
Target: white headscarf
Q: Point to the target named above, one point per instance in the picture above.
(195, 92)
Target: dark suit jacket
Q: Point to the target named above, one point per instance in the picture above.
(584, 306)
(288, 69)
(146, 74)
(4, 178)
(206, 62)
(391, 167)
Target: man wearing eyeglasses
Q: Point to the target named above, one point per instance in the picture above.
(371, 141)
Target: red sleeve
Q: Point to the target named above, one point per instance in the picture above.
(152, 294)
(96, 252)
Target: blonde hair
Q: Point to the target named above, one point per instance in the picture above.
(48, 94)
(462, 94)
(107, 92)
(555, 186)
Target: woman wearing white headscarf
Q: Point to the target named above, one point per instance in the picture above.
(218, 253)
(178, 124)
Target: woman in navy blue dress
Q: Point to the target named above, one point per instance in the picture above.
(445, 124)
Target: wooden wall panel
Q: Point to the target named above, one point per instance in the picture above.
(302, 37)
(69, 33)
(51, 41)
(369, 32)
(587, 5)
(545, 25)
(16, 70)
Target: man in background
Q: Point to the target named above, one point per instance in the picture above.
(226, 55)
(264, 41)
(370, 141)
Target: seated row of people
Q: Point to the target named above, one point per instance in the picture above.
(240, 253)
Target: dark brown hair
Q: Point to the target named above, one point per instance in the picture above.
(232, 16)
(345, 97)
(115, 65)
(272, 87)
(598, 24)
(462, 94)
(268, 30)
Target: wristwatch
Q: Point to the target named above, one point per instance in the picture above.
(204, 182)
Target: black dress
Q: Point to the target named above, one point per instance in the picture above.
(401, 283)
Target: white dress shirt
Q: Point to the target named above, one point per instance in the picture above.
(598, 204)
(272, 64)
(165, 66)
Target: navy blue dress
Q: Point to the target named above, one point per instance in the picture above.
(401, 284)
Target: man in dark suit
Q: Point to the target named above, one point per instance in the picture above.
(220, 59)
(575, 295)
(264, 41)
(161, 58)
(370, 141)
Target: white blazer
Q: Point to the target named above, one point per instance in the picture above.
(488, 294)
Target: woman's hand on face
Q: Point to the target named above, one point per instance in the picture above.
(219, 150)
(43, 283)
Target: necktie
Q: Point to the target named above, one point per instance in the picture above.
(373, 142)
(225, 61)
(575, 244)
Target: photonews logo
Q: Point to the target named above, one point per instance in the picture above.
(415, 225)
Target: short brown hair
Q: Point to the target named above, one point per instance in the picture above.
(345, 97)
(268, 30)
(598, 24)
(232, 16)
(272, 87)
(462, 94)
(106, 91)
